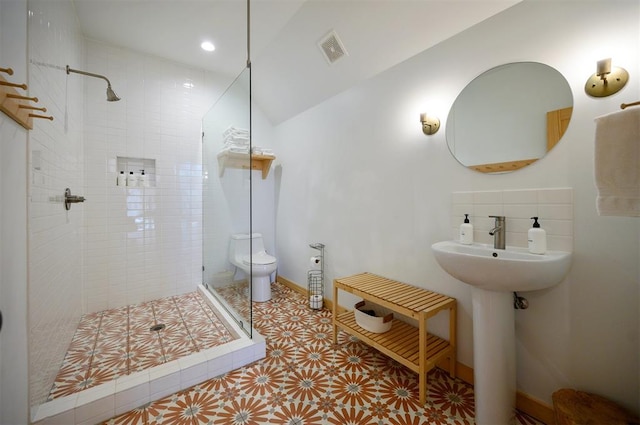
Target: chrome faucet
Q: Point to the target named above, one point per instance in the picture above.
(498, 232)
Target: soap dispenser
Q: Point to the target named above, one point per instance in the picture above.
(132, 180)
(143, 181)
(537, 238)
(122, 179)
(466, 231)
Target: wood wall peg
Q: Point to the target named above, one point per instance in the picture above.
(626, 105)
(9, 84)
(33, 108)
(17, 96)
(46, 117)
(16, 105)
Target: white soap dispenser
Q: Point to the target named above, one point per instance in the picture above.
(143, 181)
(122, 179)
(466, 231)
(132, 180)
(537, 238)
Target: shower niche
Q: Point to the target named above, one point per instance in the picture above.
(137, 166)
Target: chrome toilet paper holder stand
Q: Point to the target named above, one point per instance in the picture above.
(315, 280)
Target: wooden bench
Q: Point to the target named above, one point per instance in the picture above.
(411, 346)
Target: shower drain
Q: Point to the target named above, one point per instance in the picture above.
(157, 328)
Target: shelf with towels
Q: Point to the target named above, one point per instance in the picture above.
(227, 159)
(17, 106)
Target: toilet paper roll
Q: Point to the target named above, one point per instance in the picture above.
(314, 262)
(315, 302)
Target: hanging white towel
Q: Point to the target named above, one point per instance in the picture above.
(617, 163)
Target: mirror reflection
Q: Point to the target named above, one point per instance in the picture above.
(509, 117)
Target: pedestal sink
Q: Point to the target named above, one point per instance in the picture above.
(494, 274)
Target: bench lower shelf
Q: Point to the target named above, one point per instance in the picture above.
(401, 343)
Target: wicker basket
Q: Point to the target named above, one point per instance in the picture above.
(376, 324)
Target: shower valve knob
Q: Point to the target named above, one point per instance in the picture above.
(71, 199)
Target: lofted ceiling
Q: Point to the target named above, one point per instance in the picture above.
(290, 74)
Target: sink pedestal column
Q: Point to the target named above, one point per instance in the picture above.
(494, 357)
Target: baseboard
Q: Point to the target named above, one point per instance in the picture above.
(535, 408)
(524, 402)
(291, 285)
(328, 304)
(463, 372)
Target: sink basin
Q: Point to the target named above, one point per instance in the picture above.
(511, 269)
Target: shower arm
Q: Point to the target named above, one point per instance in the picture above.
(111, 95)
(90, 74)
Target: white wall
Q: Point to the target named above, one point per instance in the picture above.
(55, 163)
(143, 244)
(359, 176)
(14, 398)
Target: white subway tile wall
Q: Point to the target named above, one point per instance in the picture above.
(554, 206)
(55, 163)
(142, 243)
(122, 246)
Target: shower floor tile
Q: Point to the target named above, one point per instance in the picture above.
(114, 343)
(306, 379)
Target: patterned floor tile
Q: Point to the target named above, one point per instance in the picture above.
(117, 342)
(305, 379)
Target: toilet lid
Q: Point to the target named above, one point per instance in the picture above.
(259, 258)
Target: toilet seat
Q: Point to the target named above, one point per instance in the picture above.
(261, 258)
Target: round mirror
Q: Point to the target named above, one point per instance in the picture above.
(509, 117)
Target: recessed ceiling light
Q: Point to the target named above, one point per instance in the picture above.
(208, 46)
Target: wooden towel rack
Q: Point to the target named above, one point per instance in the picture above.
(17, 106)
(626, 105)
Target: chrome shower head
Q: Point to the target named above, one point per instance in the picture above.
(111, 95)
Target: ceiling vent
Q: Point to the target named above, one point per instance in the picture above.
(331, 47)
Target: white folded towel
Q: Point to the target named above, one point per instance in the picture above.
(236, 141)
(235, 149)
(233, 131)
(617, 163)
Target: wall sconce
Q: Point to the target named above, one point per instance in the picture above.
(430, 125)
(606, 81)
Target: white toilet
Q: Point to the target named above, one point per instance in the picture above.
(261, 263)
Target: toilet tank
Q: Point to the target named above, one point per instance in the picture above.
(240, 244)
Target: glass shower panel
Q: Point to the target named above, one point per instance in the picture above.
(227, 197)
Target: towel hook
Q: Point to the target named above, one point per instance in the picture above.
(626, 105)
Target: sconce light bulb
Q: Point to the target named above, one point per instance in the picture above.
(604, 68)
(607, 80)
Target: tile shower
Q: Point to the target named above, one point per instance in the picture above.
(123, 246)
(117, 342)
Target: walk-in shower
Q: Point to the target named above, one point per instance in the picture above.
(111, 95)
(129, 248)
